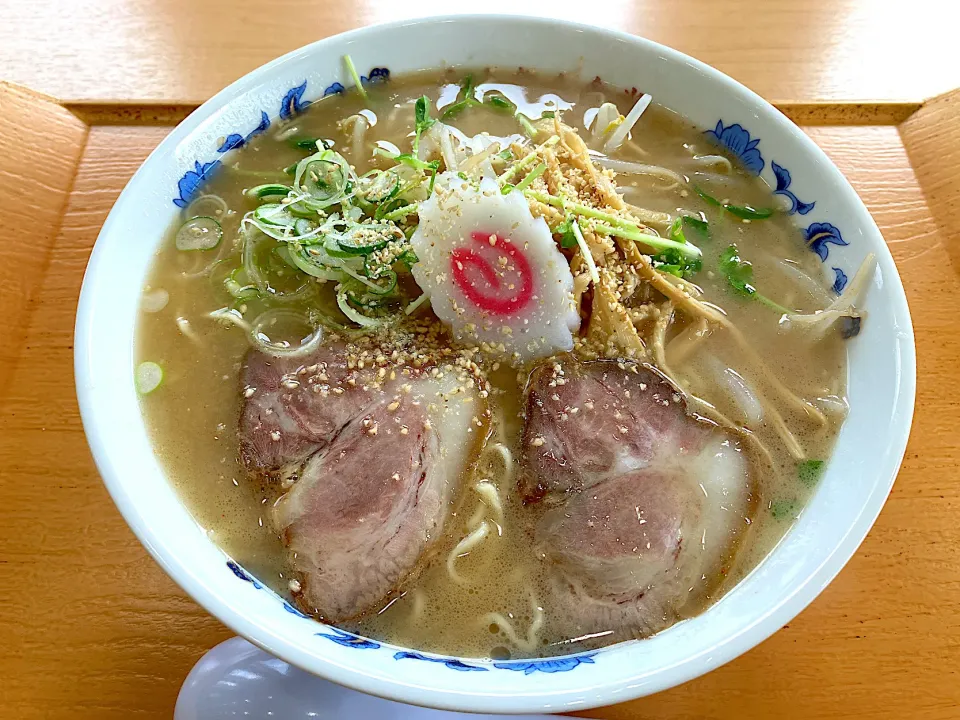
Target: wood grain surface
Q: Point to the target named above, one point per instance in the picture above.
(182, 51)
(91, 628)
(40, 144)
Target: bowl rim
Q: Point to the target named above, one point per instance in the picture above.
(763, 626)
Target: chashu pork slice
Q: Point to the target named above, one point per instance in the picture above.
(641, 505)
(374, 468)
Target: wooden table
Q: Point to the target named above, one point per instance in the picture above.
(91, 628)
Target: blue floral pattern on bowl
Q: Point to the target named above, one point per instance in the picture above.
(235, 140)
(819, 235)
(291, 104)
(243, 575)
(840, 280)
(357, 642)
(733, 137)
(737, 140)
(342, 637)
(192, 180)
(452, 663)
(783, 188)
(547, 665)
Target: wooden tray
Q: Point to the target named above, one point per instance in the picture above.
(91, 627)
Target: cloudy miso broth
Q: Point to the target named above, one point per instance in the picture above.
(688, 297)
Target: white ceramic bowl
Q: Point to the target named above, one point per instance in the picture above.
(853, 489)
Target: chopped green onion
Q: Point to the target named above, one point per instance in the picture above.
(455, 109)
(465, 99)
(331, 245)
(422, 120)
(466, 87)
(385, 208)
(531, 176)
(499, 101)
(690, 253)
(301, 210)
(401, 212)
(809, 471)
(744, 212)
(748, 213)
(303, 226)
(323, 179)
(352, 314)
(781, 509)
(526, 160)
(274, 214)
(365, 239)
(147, 377)
(231, 316)
(268, 190)
(617, 226)
(348, 61)
(585, 253)
(408, 257)
(527, 126)
(415, 305)
(379, 186)
(417, 163)
(550, 114)
(303, 260)
(199, 233)
(312, 144)
(384, 284)
(239, 291)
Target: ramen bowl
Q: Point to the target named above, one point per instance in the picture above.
(856, 482)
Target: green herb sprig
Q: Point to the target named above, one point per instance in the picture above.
(739, 275)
